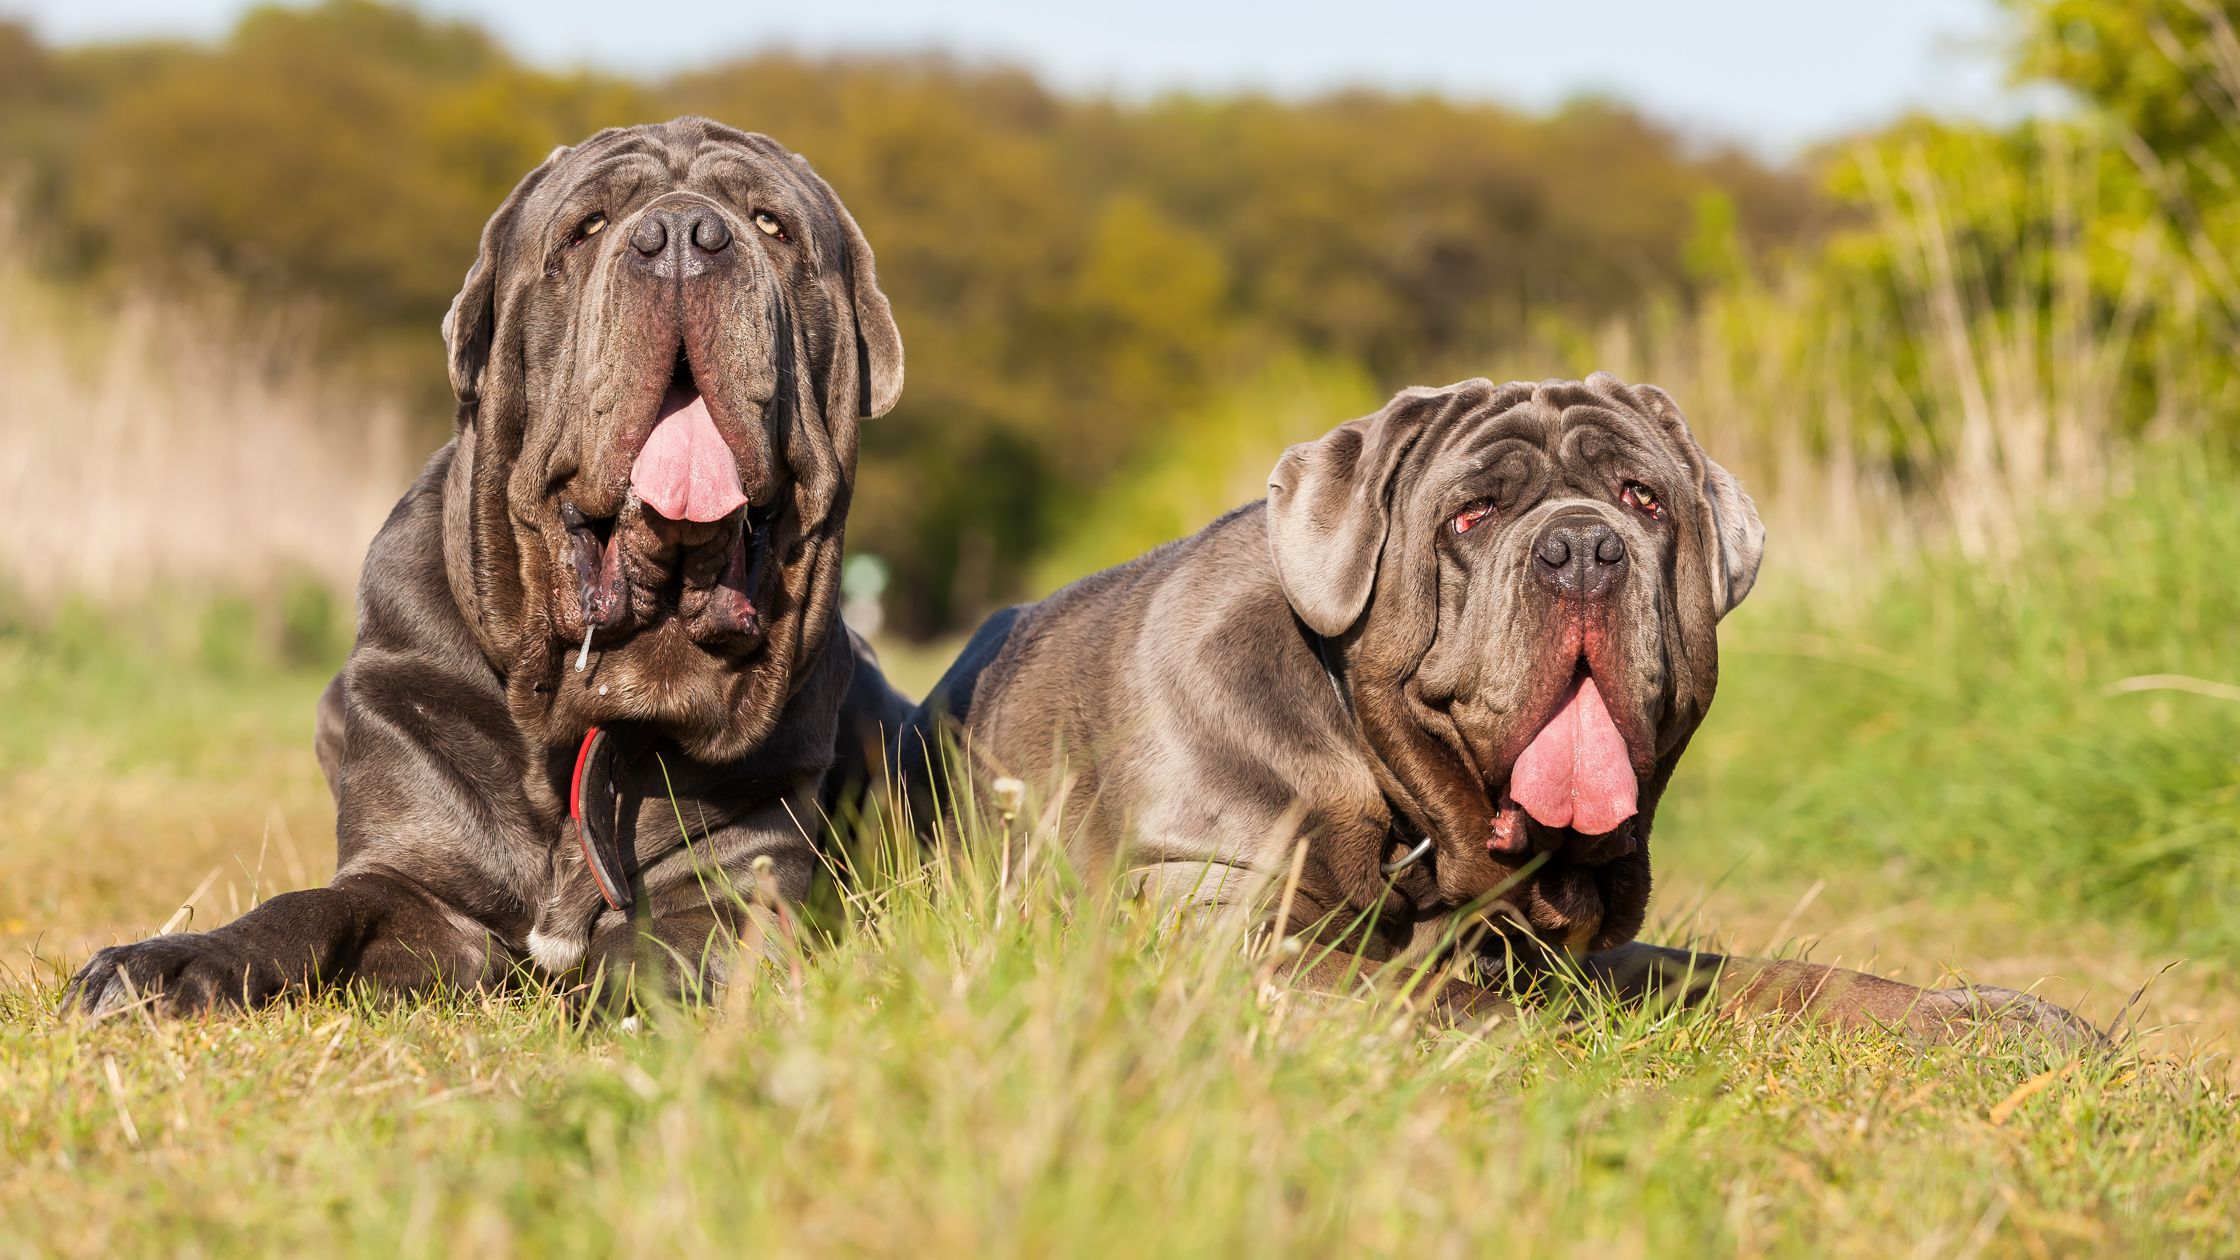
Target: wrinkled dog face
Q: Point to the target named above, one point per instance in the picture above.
(1538, 622)
(666, 345)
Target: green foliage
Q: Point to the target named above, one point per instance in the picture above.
(2161, 69)
(2051, 238)
(310, 628)
(1220, 458)
(164, 678)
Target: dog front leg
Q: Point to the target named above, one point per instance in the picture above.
(371, 925)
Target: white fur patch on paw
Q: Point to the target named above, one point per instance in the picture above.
(554, 955)
(114, 996)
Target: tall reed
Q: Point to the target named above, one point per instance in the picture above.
(1952, 395)
(150, 447)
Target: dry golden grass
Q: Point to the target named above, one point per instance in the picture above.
(144, 447)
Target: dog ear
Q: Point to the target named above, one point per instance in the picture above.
(1736, 531)
(878, 341)
(1742, 536)
(1330, 507)
(472, 322)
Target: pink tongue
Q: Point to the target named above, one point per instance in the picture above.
(1575, 772)
(687, 471)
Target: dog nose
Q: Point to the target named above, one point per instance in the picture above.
(709, 234)
(683, 235)
(1579, 556)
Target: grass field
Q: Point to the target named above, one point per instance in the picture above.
(2024, 767)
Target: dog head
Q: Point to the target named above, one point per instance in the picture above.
(661, 354)
(1525, 583)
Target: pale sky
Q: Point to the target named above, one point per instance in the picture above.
(1774, 74)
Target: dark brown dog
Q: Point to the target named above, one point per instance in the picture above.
(660, 355)
(1458, 653)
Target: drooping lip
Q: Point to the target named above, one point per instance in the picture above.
(605, 582)
(1577, 773)
(1545, 697)
(686, 469)
(698, 496)
(1517, 833)
(602, 589)
(615, 440)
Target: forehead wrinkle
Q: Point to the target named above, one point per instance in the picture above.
(599, 177)
(735, 183)
(738, 174)
(721, 162)
(752, 150)
(623, 142)
(1511, 414)
(1493, 432)
(714, 134)
(1563, 395)
(1580, 420)
(1495, 406)
(1604, 403)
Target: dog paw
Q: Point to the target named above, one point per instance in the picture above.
(184, 973)
(2010, 1011)
(684, 959)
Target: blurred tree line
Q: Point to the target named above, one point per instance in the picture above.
(1089, 289)
(1070, 274)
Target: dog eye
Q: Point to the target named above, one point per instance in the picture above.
(1642, 497)
(1470, 516)
(587, 229)
(769, 224)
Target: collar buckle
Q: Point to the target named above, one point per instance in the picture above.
(1406, 860)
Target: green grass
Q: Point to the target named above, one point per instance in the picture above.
(1027, 1071)
(1967, 731)
(1030, 1074)
(149, 755)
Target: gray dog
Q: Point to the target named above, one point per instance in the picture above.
(607, 605)
(1457, 653)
